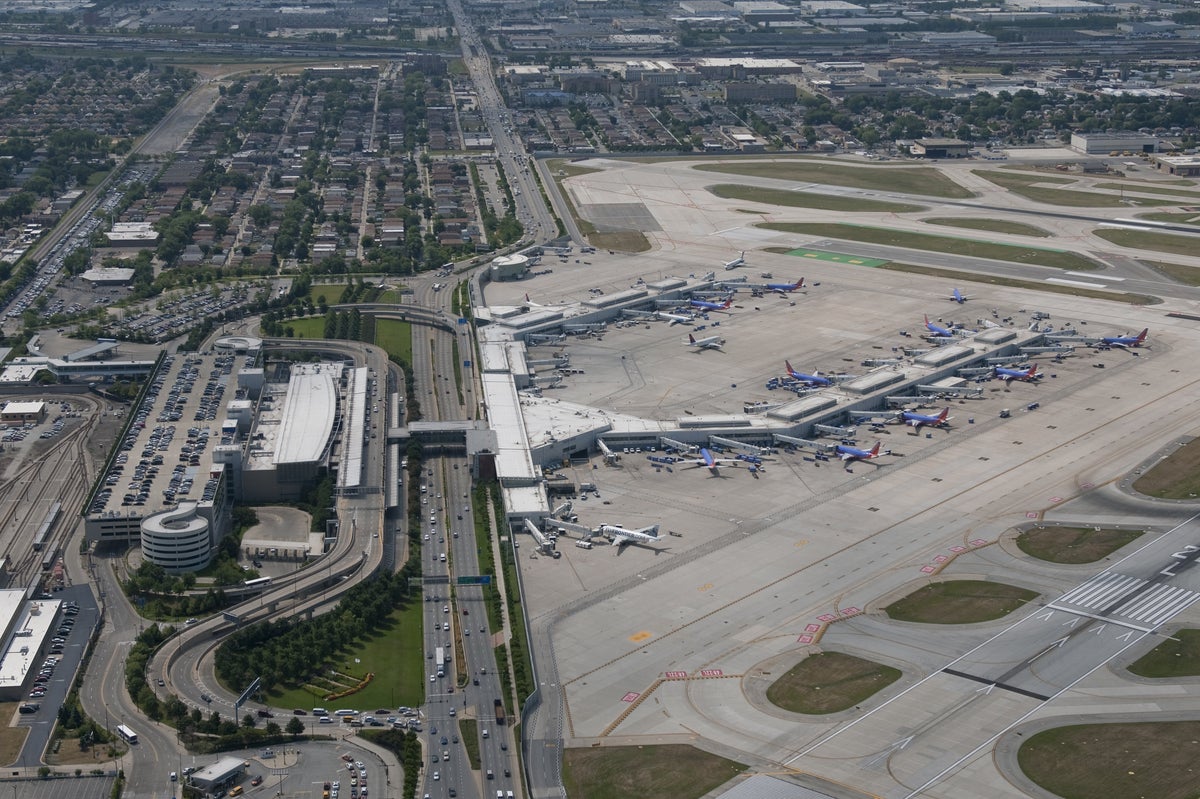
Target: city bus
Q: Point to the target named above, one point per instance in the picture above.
(126, 733)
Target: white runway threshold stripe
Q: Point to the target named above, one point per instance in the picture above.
(1081, 283)
(1109, 278)
(1125, 597)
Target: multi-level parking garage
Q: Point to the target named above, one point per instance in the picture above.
(221, 427)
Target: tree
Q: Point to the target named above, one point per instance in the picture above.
(248, 720)
(295, 727)
(274, 729)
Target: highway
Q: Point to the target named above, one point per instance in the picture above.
(533, 214)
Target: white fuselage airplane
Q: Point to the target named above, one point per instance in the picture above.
(709, 343)
(736, 262)
(710, 461)
(620, 536)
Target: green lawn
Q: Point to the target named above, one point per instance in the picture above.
(1172, 218)
(310, 327)
(1032, 187)
(1148, 188)
(828, 682)
(1177, 656)
(1059, 259)
(959, 602)
(920, 180)
(468, 733)
(803, 199)
(1188, 275)
(672, 771)
(992, 225)
(1176, 476)
(1148, 240)
(1074, 544)
(394, 336)
(1151, 760)
(395, 655)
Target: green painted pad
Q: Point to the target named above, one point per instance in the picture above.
(837, 257)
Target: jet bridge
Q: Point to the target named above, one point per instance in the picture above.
(1064, 349)
(670, 443)
(533, 339)
(735, 444)
(610, 457)
(952, 391)
(803, 443)
(898, 400)
(835, 431)
(544, 543)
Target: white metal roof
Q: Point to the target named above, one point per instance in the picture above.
(308, 413)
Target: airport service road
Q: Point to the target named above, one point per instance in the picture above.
(926, 734)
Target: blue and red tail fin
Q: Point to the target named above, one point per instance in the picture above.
(943, 415)
(875, 449)
(1142, 336)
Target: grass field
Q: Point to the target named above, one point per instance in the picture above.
(1149, 188)
(1172, 218)
(310, 327)
(1032, 187)
(1073, 544)
(1059, 259)
(11, 738)
(959, 602)
(828, 682)
(921, 180)
(803, 199)
(991, 225)
(1031, 285)
(1176, 476)
(1153, 760)
(672, 771)
(1177, 656)
(1187, 275)
(620, 240)
(394, 336)
(395, 655)
(468, 733)
(1148, 240)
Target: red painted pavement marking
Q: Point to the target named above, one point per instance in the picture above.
(928, 569)
(629, 697)
(827, 617)
(1056, 499)
(711, 672)
(677, 675)
(941, 559)
(958, 549)
(850, 612)
(979, 542)
(1031, 514)
(812, 628)
(805, 639)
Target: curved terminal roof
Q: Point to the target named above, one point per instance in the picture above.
(308, 414)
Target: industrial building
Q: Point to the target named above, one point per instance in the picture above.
(1184, 166)
(20, 413)
(25, 627)
(1108, 143)
(941, 148)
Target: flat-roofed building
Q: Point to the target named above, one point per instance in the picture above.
(1107, 143)
(941, 148)
(1186, 166)
(19, 413)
